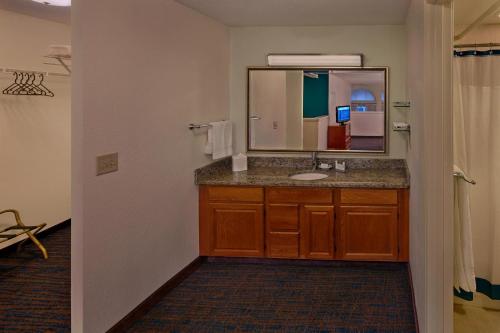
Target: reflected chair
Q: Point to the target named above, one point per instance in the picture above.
(21, 229)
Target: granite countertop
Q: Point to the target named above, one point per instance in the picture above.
(272, 171)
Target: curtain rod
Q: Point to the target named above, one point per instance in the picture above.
(459, 46)
(463, 46)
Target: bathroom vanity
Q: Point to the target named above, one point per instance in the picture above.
(358, 215)
(267, 212)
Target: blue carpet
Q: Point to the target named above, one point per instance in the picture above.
(34, 292)
(225, 296)
(221, 296)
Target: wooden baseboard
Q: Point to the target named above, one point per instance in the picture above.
(13, 247)
(155, 297)
(412, 291)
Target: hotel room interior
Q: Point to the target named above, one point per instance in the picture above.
(250, 166)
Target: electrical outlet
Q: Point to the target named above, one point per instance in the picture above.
(107, 163)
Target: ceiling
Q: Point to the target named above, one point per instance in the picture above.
(31, 8)
(297, 13)
(467, 11)
(302, 12)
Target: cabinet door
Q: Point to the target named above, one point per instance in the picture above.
(236, 229)
(317, 232)
(282, 223)
(368, 233)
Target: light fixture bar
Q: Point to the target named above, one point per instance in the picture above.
(62, 3)
(340, 60)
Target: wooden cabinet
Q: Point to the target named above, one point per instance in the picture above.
(299, 223)
(282, 230)
(317, 234)
(236, 229)
(231, 221)
(368, 233)
(304, 223)
(372, 225)
(339, 137)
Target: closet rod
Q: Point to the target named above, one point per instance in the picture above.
(480, 19)
(463, 46)
(12, 70)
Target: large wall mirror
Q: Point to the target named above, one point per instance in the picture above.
(317, 109)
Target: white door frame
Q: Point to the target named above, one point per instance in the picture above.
(438, 165)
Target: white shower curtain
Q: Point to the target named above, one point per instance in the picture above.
(477, 153)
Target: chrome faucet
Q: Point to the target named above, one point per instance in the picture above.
(314, 159)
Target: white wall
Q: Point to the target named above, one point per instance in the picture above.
(418, 240)
(381, 45)
(269, 103)
(143, 70)
(340, 94)
(489, 33)
(369, 123)
(34, 131)
(277, 102)
(315, 133)
(294, 109)
(430, 161)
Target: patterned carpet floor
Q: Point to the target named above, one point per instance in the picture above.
(35, 293)
(224, 296)
(221, 296)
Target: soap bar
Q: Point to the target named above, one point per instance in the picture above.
(239, 162)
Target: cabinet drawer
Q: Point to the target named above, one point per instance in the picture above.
(369, 197)
(299, 195)
(283, 217)
(283, 245)
(235, 194)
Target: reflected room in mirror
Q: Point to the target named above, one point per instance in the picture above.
(317, 109)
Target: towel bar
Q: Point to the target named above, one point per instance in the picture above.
(196, 126)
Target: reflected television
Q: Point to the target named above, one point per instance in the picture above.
(343, 114)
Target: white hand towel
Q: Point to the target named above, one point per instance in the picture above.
(209, 146)
(228, 138)
(219, 140)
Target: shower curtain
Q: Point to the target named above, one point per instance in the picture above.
(477, 153)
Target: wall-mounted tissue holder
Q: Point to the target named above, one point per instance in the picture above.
(400, 127)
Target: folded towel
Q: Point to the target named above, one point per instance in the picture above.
(220, 139)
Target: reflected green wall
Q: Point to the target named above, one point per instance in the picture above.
(316, 96)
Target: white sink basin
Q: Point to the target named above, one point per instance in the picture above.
(309, 176)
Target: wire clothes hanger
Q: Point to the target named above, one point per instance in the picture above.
(26, 84)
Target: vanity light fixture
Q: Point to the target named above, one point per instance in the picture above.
(60, 3)
(315, 60)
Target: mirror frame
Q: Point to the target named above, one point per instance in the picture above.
(281, 68)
